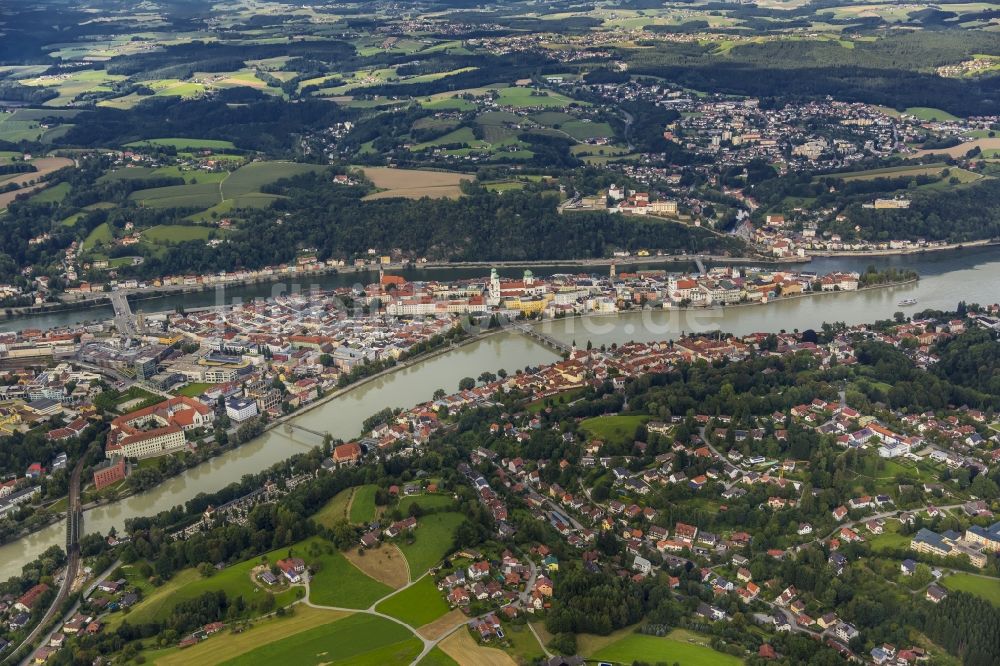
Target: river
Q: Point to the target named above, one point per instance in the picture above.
(946, 277)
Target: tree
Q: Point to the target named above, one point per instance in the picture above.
(466, 384)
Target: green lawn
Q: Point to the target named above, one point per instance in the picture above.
(417, 605)
(528, 97)
(361, 640)
(363, 505)
(613, 429)
(432, 541)
(986, 588)
(194, 389)
(640, 647)
(339, 583)
(196, 195)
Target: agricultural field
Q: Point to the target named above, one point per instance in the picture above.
(337, 582)
(71, 85)
(225, 646)
(34, 124)
(677, 647)
(54, 194)
(417, 605)
(44, 166)
(432, 542)
(363, 640)
(464, 649)
(214, 192)
(980, 586)
(613, 429)
(414, 183)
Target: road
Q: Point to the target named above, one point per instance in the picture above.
(74, 524)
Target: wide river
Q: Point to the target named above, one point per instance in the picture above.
(972, 275)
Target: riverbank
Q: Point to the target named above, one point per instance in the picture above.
(282, 420)
(903, 251)
(721, 308)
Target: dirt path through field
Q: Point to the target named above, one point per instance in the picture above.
(462, 648)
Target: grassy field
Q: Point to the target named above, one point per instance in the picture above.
(426, 502)
(890, 539)
(437, 657)
(432, 543)
(337, 582)
(986, 145)
(362, 640)
(417, 605)
(54, 194)
(189, 584)
(893, 172)
(678, 646)
(250, 178)
(522, 644)
(414, 183)
(384, 563)
(175, 233)
(335, 509)
(181, 143)
(99, 234)
(613, 429)
(528, 98)
(197, 195)
(363, 504)
(929, 113)
(986, 588)
(225, 646)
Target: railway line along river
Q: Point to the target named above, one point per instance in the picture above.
(972, 275)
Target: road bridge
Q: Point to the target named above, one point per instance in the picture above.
(124, 319)
(700, 264)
